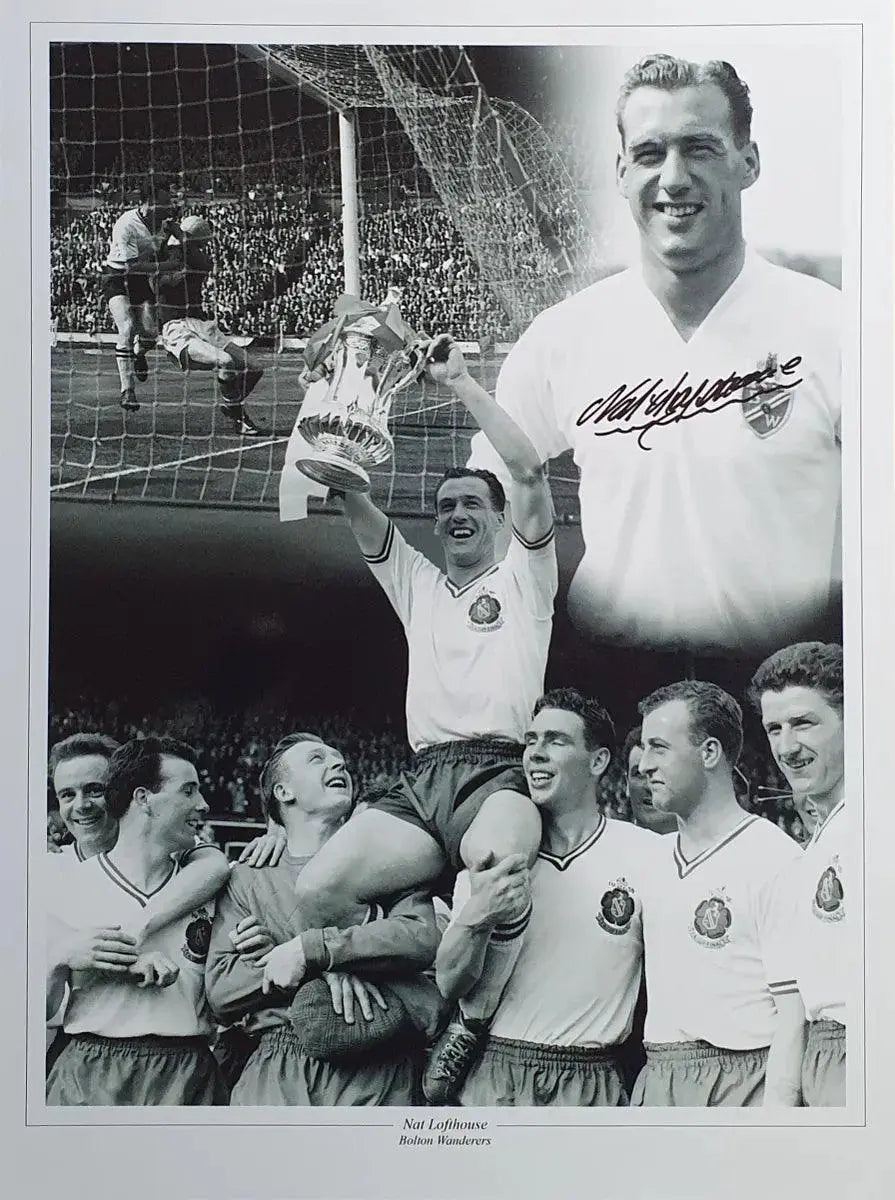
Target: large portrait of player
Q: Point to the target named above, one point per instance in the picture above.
(456, 435)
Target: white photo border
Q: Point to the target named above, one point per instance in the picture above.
(867, 518)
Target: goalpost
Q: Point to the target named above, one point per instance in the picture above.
(324, 168)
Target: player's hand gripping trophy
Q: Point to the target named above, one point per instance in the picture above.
(355, 366)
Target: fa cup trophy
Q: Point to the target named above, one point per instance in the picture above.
(357, 363)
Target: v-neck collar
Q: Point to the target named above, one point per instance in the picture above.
(561, 861)
(121, 880)
(457, 590)
(685, 866)
(815, 837)
(717, 310)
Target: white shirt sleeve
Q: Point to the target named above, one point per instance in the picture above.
(776, 921)
(524, 390)
(123, 246)
(534, 570)
(398, 568)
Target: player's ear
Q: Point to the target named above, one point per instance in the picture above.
(283, 794)
(621, 170)
(711, 753)
(141, 798)
(599, 761)
(751, 165)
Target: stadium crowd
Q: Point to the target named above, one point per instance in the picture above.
(274, 199)
(278, 268)
(234, 746)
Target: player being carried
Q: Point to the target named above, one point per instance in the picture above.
(194, 339)
(478, 633)
(136, 246)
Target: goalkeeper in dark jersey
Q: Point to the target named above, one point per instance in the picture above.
(193, 339)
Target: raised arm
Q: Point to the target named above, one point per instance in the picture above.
(367, 523)
(530, 500)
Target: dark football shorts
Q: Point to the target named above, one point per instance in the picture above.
(528, 1075)
(142, 1071)
(449, 784)
(135, 288)
(698, 1075)
(823, 1066)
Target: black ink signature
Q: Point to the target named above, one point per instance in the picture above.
(645, 406)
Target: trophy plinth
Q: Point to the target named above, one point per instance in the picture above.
(359, 362)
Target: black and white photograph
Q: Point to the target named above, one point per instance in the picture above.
(452, 666)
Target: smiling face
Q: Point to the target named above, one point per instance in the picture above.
(314, 777)
(560, 769)
(177, 810)
(805, 734)
(466, 522)
(683, 174)
(672, 761)
(80, 787)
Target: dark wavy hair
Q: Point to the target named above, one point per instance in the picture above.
(79, 745)
(670, 73)
(816, 665)
(599, 731)
(495, 487)
(138, 763)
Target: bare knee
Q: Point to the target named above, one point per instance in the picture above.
(126, 328)
(507, 823)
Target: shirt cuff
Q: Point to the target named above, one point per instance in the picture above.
(316, 953)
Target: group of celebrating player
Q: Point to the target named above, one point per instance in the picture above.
(329, 950)
(152, 280)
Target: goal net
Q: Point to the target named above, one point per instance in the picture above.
(464, 201)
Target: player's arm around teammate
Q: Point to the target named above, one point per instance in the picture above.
(246, 962)
(404, 941)
(483, 899)
(116, 950)
(203, 872)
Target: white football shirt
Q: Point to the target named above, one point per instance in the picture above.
(131, 237)
(96, 893)
(729, 506)
(477, 653)
(716, 937)
(577, 977)
(823, 952)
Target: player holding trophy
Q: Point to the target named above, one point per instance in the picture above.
(477, 633)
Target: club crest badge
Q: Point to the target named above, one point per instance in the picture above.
(198, 937)
(712, 921)
(829, 897)
(617, 908)
(485, 613)
(768, 403)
